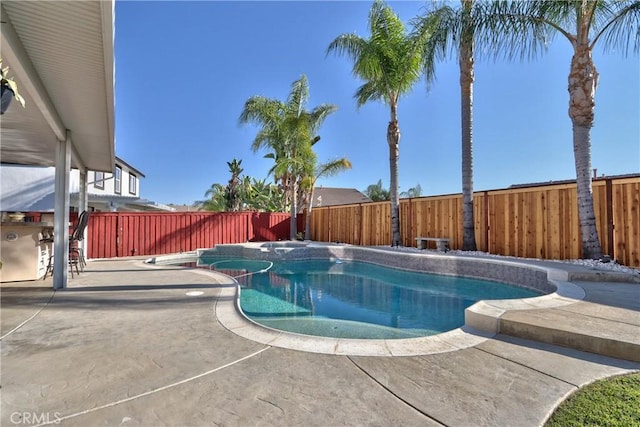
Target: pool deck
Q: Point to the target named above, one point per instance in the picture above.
(130, 345)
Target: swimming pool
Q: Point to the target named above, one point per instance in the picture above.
(355, 300)
(482, 320)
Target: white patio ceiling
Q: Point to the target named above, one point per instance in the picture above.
(60, 54)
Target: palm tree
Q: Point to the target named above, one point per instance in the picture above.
(376, 193)
(453, 30)
(389, 63)
(252, 194)
(412, 192)
(233, 194)
(216, 200)
(327, 169)
(269, 114)
(227, 198)
(289, 130)
(261, 196)
(467, 74)
(584, 23)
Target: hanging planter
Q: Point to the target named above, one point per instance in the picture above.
(8, 90)
(5, 100)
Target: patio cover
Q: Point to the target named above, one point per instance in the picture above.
(61, 56)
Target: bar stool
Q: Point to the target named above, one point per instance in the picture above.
(76, 254)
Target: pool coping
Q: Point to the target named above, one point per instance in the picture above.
(482, 319)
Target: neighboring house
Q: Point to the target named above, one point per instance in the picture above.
(118, 191)
(326, 196)
(184, 208)
(31, 189)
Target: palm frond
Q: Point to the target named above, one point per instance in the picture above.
(350, 45)
(266, 138)
(368, 92)
(525, 28)
(298, 96)
(260, 110)
(332, 167)
(619, 27)
(513, 30)
(318, 115)
(436, 33)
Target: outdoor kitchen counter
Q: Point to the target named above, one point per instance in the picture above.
(24, 251)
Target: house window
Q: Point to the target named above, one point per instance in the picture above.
(98, 180)
(132, 183)
(118, 180)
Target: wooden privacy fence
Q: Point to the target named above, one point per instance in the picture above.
(118, 234)
(531, 222)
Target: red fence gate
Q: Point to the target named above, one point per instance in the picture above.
(119, 234)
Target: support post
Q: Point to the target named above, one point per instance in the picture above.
(83, 205)
(610, 224)
(61, 213)
(487, 222)
(361, 225)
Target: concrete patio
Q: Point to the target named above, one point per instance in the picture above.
(130, 345)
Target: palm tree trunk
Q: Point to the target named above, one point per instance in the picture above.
(293, 230)
(284, 187)
(466, 94)
(583, 81)
(307, 225)
(393, 139)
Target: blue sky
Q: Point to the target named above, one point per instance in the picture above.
(185, 69)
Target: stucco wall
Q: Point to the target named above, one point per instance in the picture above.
(29, 188)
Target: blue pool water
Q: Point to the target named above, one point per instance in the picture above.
(356, 299)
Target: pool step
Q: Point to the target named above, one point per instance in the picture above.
(607, 331)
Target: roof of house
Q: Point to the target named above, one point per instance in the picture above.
(132, 202)
(131, 168)
(184, 208)
(327, 196)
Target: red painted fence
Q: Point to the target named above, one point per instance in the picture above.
(119, 234)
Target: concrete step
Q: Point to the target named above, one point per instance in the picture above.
(613, 332)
